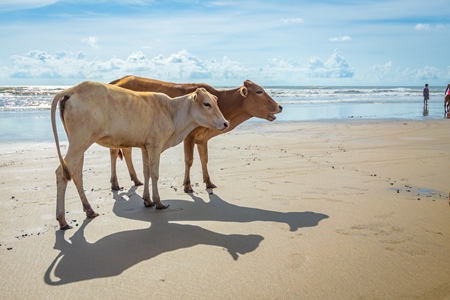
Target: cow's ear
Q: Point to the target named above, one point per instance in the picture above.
(194, 97)
(244, 92)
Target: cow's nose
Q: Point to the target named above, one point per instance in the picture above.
(280, 107)
(225, 125)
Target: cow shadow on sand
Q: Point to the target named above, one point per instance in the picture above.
(129, 205)
(111, 255)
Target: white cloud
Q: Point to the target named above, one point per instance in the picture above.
(344, 38)
(422, 26)
(291, 21)
(179, 66)
(426, 26)
(378, 74)
(182, 66)
(427, 73)
(91, 41)
(10, 5)
(281, 71)
(220, 4)
(335, 67)
(80, 55)
(38, 55)
(60, 54)
(316, 63)
(441, 26)
(382, 71)
(386, 74)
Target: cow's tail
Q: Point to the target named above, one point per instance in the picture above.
(64, 96)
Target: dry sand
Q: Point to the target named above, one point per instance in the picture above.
(307, 210)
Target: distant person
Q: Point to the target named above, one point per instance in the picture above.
(426, 94)
(447, 90)
(447, 102)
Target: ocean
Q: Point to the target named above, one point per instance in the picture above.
(25, 110)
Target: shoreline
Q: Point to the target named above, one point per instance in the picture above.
(35, 125)
(338, 209)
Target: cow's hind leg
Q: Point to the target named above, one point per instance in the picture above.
(74, 161)
(128, 160)
(203, 153)
(61, 185)
(78, 180)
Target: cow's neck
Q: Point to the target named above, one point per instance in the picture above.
(231, 105)
(182, 121)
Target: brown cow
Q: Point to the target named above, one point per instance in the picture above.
(447, 103)
(114, 117)
(237, 106)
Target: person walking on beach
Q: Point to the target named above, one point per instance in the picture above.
(447, 104)
(426, 94)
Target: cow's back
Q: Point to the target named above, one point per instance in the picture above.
(96, 103)
(141, 84)
(115, 117)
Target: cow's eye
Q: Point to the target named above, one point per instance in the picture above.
(207, 104)
(259, 92)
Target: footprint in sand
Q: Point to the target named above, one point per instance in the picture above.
(392, 237)
(371, 229)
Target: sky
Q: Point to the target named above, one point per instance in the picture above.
(223, 43)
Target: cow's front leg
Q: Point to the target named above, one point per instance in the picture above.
(114, 153)
(154, 156)
(203, 153)
(189, 143)
(146, 166)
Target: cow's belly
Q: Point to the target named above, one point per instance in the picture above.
(121, 142)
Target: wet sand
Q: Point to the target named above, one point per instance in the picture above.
(354, 209)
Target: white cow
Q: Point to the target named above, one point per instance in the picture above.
(115, 117)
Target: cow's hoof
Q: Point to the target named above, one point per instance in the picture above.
(148, 203)
(188, 189)
(162, 206)
(66, 227)
(115, 188)
(138, 183)
(91, 214)
(211, 186)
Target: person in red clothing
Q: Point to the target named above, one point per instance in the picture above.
(447, 105)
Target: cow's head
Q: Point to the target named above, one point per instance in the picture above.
(258, 103)
(206, 112)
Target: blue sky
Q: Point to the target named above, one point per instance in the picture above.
(294, 42)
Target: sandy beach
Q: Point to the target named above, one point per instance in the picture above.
(353, 209)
